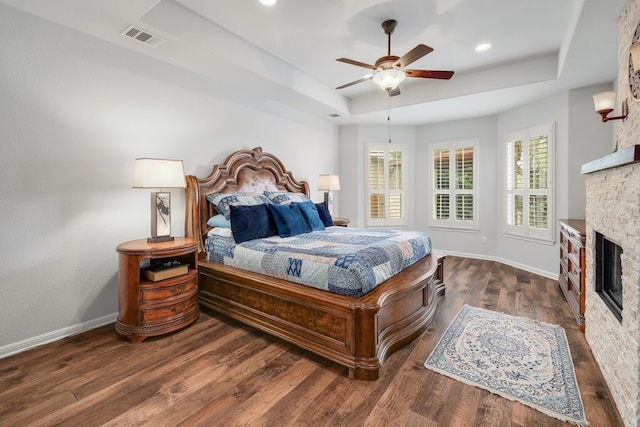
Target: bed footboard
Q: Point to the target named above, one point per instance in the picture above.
(358, 333)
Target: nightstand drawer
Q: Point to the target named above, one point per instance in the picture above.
(172, 289)
(179, 308)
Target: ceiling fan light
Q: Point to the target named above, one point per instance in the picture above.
(389, 79)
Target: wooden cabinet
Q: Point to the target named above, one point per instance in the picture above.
(572, 265)
(147, 308)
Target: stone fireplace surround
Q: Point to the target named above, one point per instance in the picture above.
(613, 209)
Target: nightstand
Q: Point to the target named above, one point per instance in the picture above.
(146, 307)
(341, 222)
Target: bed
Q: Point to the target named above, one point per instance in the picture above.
(358, 332)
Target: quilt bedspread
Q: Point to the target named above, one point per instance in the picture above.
(347, 261)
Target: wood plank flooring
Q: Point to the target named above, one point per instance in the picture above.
(218, 372)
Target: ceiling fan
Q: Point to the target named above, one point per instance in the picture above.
(390, 70)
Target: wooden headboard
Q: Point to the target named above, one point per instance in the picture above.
(251, 171)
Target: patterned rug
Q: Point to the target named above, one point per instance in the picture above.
(516, 358)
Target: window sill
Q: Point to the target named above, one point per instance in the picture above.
(462, 230)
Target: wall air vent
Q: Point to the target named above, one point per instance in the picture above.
(143, 36)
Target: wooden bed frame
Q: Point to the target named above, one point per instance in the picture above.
(358, 333)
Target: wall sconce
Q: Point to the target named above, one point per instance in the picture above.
(160, 174)
(328, 184)
(604, 103)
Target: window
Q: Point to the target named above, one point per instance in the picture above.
(386, 184)
(529, 182)
(454, 189)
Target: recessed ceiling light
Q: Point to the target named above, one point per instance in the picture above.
(268, 2)
(482, 47)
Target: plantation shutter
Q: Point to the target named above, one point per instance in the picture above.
(376, 184)
(386, 184)
(529, 189)
(464, 182)
(453, 190)
(441, 182)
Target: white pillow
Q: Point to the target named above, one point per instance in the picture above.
(223, 232)
(285, 198)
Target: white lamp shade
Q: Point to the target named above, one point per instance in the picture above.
(329, 183)
(389, 79)
(604, 100)
(635, 57)
(158, 173)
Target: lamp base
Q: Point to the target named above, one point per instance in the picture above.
(328, 200)
(160, 239)
(160, 217)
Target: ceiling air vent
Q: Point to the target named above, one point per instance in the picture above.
(142, 36)
(334, 115)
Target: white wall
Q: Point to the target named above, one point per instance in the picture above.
(580, 137)
(353, 167)
(540, 257)
(74, 113)
(589, 139)
(455, 241)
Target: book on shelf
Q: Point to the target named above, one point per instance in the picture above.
(164, 270)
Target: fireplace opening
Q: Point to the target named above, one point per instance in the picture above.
(609, 273)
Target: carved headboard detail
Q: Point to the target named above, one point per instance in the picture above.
(251, 171)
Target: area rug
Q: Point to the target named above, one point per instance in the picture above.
(516, 358)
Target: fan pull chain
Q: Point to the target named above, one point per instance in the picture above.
(389, 117)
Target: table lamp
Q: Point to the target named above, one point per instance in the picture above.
(160, 174)
(329, 184)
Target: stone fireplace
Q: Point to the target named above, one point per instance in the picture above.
(613, 211)
(613, 231)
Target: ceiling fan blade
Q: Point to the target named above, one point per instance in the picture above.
(394, 92)
(364, 79)
(429, 74)
(413, 55)
(358, 63)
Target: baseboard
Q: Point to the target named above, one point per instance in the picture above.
(543, 273)
(49, 337)
(20, 346)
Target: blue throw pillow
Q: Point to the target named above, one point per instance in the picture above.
(219, 221)
(251, 222)
(325, 216)
(310, 213)
(289, 220)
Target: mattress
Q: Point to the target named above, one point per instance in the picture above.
(347, 261)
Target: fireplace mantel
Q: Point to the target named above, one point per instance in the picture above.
(622, 157)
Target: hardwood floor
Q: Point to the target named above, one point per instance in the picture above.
(219, 372)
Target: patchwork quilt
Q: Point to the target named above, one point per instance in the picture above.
(347, 261)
